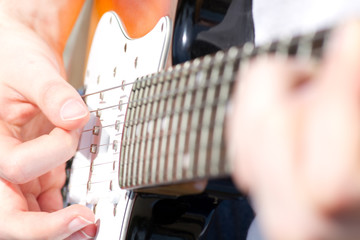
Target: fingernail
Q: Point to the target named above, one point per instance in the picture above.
(73, 109)
(78, 223)
(85, 236)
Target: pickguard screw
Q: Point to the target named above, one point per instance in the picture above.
(136, 61)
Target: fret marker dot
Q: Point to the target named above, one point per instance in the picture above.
(136, 62)
(186, 161)
(199, 78)
(150, 127)
(138, 129)
(164, 123)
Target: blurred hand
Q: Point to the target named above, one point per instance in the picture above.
(40, 120)
(294, 139)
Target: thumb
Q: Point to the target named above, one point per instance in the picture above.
(76, 220)
(55, 97)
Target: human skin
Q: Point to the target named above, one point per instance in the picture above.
(40, 120)
(293, 136)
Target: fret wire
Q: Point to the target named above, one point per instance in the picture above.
(163, 126)
(172, 139)
(148, 150)
(135, 110)
(146, 147)
(194, 119)
(168, 163)
(208, 113)
(216, 133)
(180, 101)
(155, 147)
(123, 170)
(225, 91)
(130, 152)
(218, 115)
(138, 174)
(152, 146)
(198, 120)
(136, 147)
(189, 144)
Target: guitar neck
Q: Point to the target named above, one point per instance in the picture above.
(174, 127)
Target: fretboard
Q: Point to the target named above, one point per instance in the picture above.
(174, 127)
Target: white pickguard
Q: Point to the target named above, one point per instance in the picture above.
(117, 61)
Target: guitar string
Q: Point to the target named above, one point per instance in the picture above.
(184, 131)
(100, 127)
(158, 136)
(166, 95)
(241, 54)
(161, 97)
(174, 93)
(167, 114)
(163, 136)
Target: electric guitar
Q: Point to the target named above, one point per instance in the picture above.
(156, 136)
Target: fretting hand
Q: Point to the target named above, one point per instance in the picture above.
(294, 136)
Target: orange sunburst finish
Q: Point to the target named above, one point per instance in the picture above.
(138, 16)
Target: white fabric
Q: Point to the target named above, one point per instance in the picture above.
(281, 18)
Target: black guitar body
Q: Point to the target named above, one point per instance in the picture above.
(220, 212)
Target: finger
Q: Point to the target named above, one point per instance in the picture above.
(264, 91)
(20, 161)
(50, 200)
(56, 225)
(56, 98)
(332, 141)
(264, 133)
